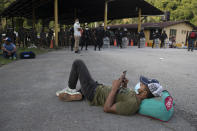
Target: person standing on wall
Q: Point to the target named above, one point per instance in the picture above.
(77, 35)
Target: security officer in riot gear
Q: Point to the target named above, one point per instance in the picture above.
(85, 37)
(156, 35)
(43, 38)
(61, 35)
(99, 37)
(50, 36)
(93, 36)
(119, 37)
(67, 37)
(163, 37)
(125, 33)
(72, 38)
(141, 35)
(107, 33)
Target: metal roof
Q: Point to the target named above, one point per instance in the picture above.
(151, 25)
(85, 10)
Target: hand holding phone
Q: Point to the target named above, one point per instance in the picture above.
(124, 79)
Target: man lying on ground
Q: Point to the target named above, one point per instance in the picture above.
(115, 99)
(9, 49)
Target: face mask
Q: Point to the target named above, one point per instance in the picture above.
(137, 87)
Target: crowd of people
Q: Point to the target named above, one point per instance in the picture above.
(159, 36)
(83, 36)
(23, 37)
(77, 37)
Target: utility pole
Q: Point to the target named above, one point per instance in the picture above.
(56, 21)
(139, 19)
(105, 15)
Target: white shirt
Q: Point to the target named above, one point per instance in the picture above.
(76, 31)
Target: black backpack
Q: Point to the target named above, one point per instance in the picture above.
(27, 55)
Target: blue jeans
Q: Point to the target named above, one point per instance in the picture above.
(5, 54)
(191, 45)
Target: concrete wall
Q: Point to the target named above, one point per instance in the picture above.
(181, 33)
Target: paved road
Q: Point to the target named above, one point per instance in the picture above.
(28, 101)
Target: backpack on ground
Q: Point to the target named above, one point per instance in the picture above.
(27, 55)
(193, 35)
(160, 108)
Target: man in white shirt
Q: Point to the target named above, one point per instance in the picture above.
(77, 35)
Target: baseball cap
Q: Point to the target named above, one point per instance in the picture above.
(8, 39)
(144, 80)
(153, 81)
(153, 85)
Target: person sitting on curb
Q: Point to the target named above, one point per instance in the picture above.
(9, 49)
(116, 99)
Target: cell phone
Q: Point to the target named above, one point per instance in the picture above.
(123, 80)
(124, 73)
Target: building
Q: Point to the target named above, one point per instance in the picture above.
(177, 30)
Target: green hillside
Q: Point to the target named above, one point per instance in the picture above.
(179, 9)
(4, 4)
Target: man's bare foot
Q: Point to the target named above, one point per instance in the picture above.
(67, 97)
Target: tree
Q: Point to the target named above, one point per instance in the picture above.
(179, 9)
(4, 4)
